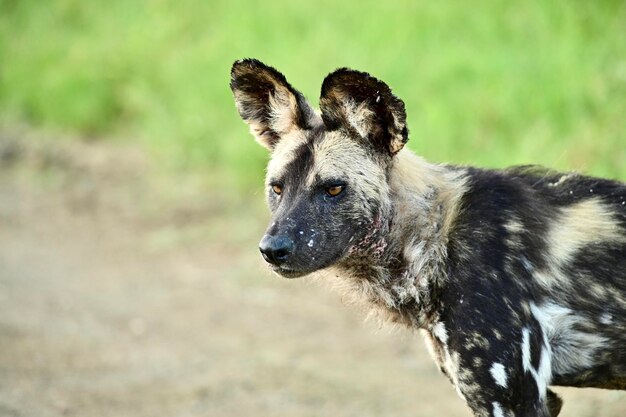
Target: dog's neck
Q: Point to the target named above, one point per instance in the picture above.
(405, 262)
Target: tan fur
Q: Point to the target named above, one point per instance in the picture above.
(425, 199)
(580, 224)
(283, 108)
(339, 157)
(360, 118)
(412, 177)
(283, 153)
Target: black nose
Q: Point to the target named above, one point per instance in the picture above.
(276, 249)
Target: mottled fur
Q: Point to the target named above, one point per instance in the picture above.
(516, 278)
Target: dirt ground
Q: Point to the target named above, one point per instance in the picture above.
(126, 295)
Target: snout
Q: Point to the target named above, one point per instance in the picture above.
(276, 249)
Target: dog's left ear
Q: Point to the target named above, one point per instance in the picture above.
(268, 103)
(365, 107)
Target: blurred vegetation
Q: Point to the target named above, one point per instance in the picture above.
(491, 83)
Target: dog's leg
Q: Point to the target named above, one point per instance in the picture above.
(554, 403)
(500, 371)
(519, 400)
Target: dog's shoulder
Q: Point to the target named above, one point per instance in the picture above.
(566, 188)
(523, 221)
(540, 194)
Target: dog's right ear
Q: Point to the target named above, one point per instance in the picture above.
(365, 107)
(265, 100)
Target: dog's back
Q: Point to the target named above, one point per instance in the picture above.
(539, 260)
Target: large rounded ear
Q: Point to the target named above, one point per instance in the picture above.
(364, 106)
(265, 100)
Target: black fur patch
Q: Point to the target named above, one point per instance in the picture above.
(256, 82)
(389, 116)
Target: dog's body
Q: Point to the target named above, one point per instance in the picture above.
(517, 278)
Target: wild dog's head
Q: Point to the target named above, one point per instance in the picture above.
(327, 180)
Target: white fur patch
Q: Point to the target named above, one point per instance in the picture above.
(527, 264)
(606, 318)
(430, 345)
(526, 349)
(283, 154)
(514, 226)
(573, 348)
(459, 393)
(439, 330)
(359, 116)
(543, 374)
(451, 365)
(499, 374)
(450, 358)
(561, 180)
(283, 108)
(497, 410)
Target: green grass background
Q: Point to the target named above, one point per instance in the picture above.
(490, 83)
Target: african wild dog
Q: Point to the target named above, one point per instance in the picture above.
(517, 277)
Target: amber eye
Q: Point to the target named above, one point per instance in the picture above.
(335, 190)
(277, 189)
